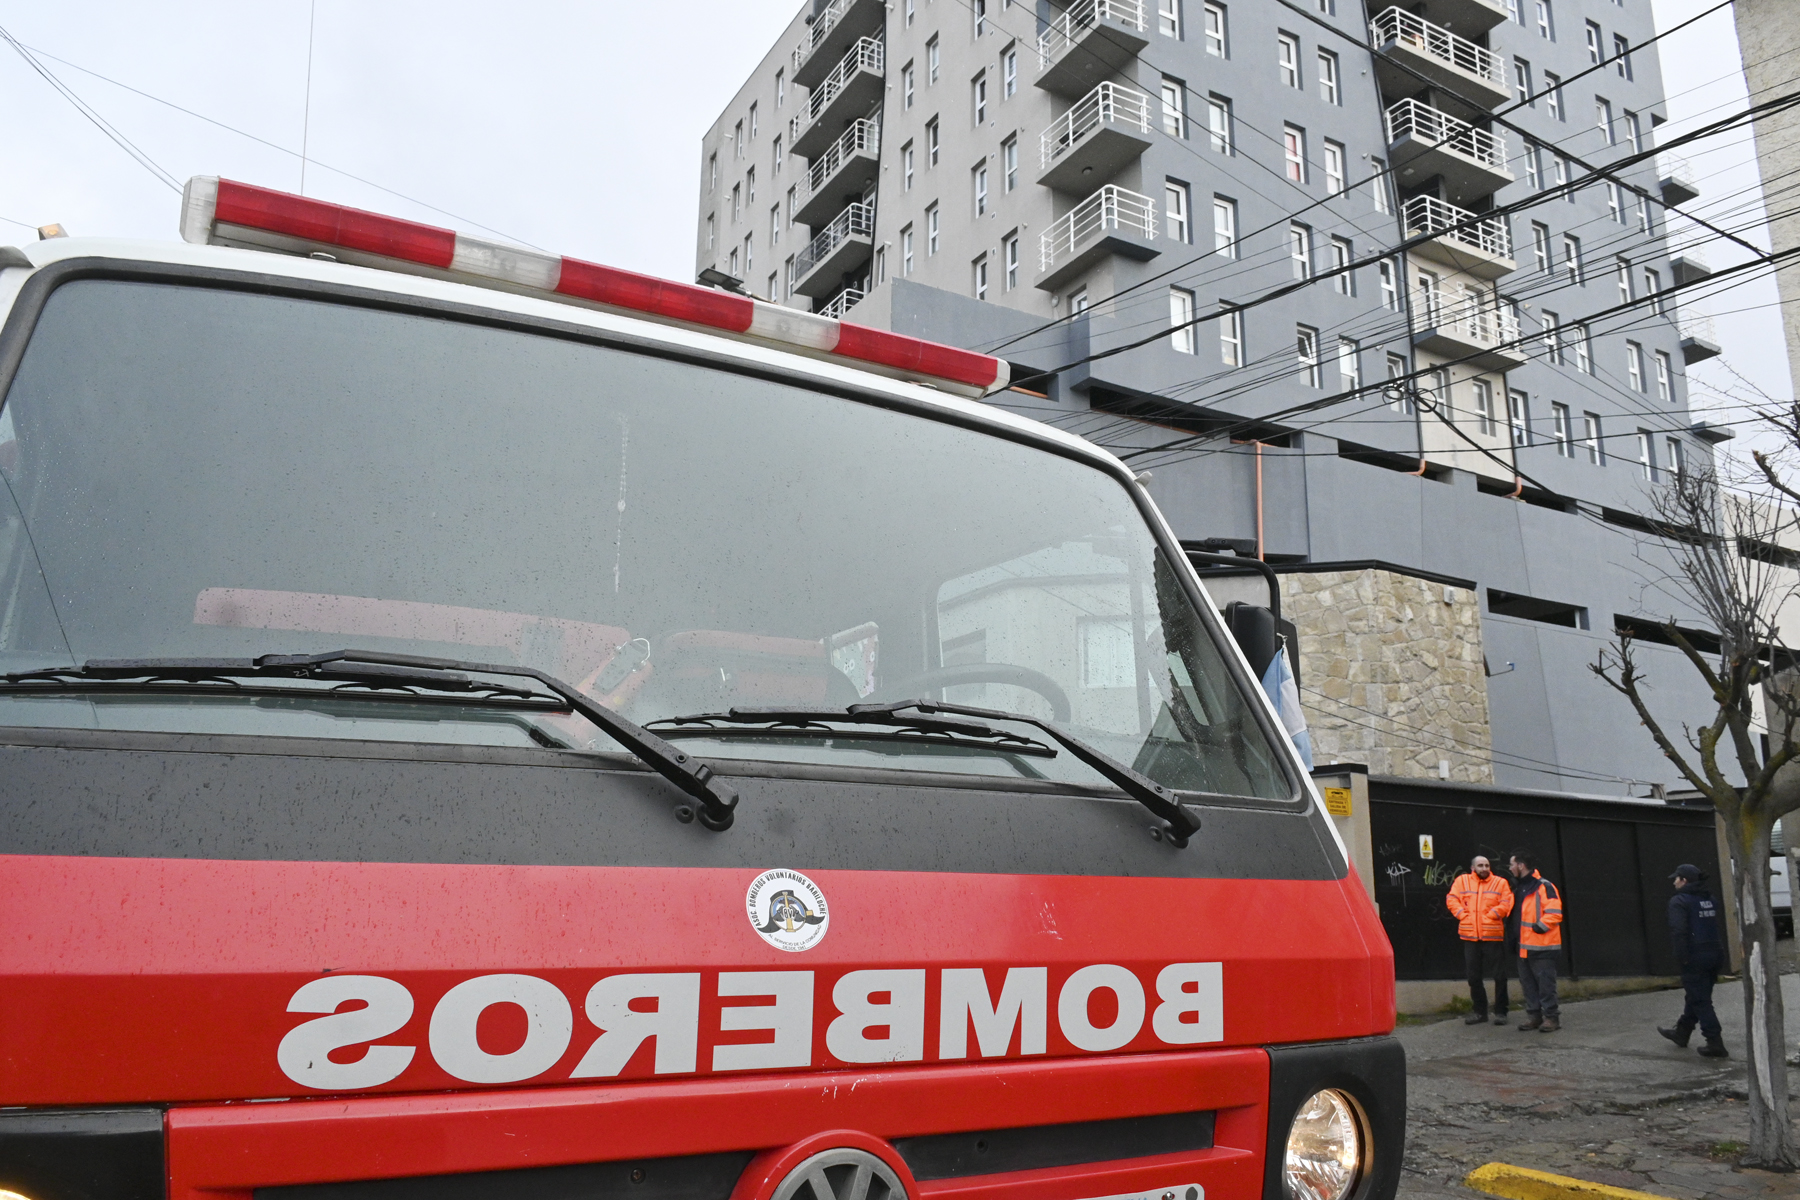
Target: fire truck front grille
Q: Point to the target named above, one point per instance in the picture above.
(701, 1177)
(950, 1155)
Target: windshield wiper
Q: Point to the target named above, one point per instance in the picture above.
(402, 671)
(781, 722)
(1180, 824)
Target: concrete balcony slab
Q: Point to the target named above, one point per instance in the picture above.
(1091, 42)
(1095, 156)
(831, 35)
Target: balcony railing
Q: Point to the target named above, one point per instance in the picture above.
(858, 220)
(1434, 41)
(1698, 325)
(1471, 316)
(842, 303)
(867, 55)
(820, 28)
(1110, 208)
(1428, 214)
(1082, 16)
(1110, 102)
(863, 137)
(1410, 118)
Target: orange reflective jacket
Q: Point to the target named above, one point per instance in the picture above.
(1480, 907)
(1542, 905)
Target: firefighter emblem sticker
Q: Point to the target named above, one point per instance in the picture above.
(787, 910)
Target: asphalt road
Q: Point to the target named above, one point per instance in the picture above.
(1605, 1099)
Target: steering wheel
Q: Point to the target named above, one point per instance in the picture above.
(942, 677)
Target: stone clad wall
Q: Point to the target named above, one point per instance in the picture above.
(1392, 674)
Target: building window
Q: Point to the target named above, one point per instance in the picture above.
(978, 97)
(737, 140)
(775, 225)
(1559, 169)
(1613, 208)
(1440, 392)
(906, 167)
(931, 230)
(1553, 95)
(1559, 426)
(1215, 30)
(1168, 18)
(1572, 258)
(880, 265)
(1643, 207)
(1300, 250)
(1231, 338)
(1174, 106)
(1633, 132)
(1593, 42)
(1675, 463)
(1484, 407)
(911, 11)
(1009, 259)
(1349, 364)
(1181, 320)
(980, 180)
(906, 250)
(931, 143)
(1379, 182)
(1009, 72)
(1664, 378)
(753, 122)
(1603, 118)
(773, 293)
(1546, 20)
(979, 8)
(780, 88)
(1328, 77)
(1175, 201)
(1584, 351)
(1225, 226)
(1533, 172)
(1646, 448)
(791, 199)
(1430, 300)
(1552, 338)
(737, 202)
(906, 86)
(1540, 247)
(733, 269)
(933, 60)
(1306, 341)
(1287, 58)
(1522, 84)
(1293, 149)
(1516, 418)
(1634, 366)
(1390, 285)
(1592, 439)
(1622, 276)
(750, 186)
(1218, 123)
(981, 277)
(1344, 279)
(1078, 300)
(1334, 167)
(712, 172)
(1009, 162)
(749, 259)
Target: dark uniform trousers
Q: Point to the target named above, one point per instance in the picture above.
(1537, 979)
(1698, 976)
(1483, 961)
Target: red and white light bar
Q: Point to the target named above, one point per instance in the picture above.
(220, 212)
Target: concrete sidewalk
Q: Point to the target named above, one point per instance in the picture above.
(1605, 1099)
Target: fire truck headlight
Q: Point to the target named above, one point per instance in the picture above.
(6, 1195)
(1325, 1150)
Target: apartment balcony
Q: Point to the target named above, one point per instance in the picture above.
(1467, 17)
(1698, 340)
(1444, 58)
(1471, 330)
(1111, 221)
(842, 303)
(851, 90)
(1689, 268)
(1476, 245)
(840, 175)
(844, 244)
(1423, 141)
(1675, 179)
(831, 35)
(1096, 139)
(1090, 42)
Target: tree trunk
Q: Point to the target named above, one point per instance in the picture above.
(1771, 1140)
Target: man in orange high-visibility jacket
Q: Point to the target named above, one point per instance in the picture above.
(1540, 943)
(1480, 902)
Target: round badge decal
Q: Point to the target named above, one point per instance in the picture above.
(787, 910)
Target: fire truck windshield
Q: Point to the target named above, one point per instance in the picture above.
(212, 473)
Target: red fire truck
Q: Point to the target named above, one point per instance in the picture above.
(474, 722)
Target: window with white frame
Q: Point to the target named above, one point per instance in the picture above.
(1614, 208)
(1628, 120)
(780, 88)
(1593, 42)
(1009, 72)
(1175, 204)
(1306, 342)
(712, 172)
(733, 269)
(1546, 20)
(979, 179)
(1399, 390)
(712, 231)
(1440, 393)
(912, 7)
(1603, 118)
(1300, 250)
(1009, 163)
(1674, 459)
(752, 122)
(979, 9)
(1328, 77)
(773, 294)
(1349, 358)
(931, 143)
(980, 277)
(1078, 300)
(1334, 167)
(1552, 337)
(1522, 84)
(1634, 366)
(1181, 320)
(1643, 211)
(1215, 30)
(906, 250)
(1622, 278)
(1572, 259)
(792, 194)
(775, 225)
(1484, 407)
(1168, 18)
(1533, 171)
(907, 82)
(1431, 299)
(1622, 56)
(1665, 376)
(1390, 285)
(737, 203)
(750, 186)
(1560, 430)
(1174, 107)
(1592, 439)
(1517, 418)
(737, 140)
(1009, 260)
(1231, 338)
(906, 167)
(934, 60)
(931, 230)
(1540, 247)
(1293, 151)
(1287, 59)
(1379, 185)
(1225, 226)
(1344, 279)
(1584, 351)
(978, 97)
(1646, 448)
(1553, 95)
(749, 260)
(1218, 123)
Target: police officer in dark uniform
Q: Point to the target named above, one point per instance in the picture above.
(1699, 946)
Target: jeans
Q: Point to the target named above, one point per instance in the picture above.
(1483, 961)
(1697, 981)
(1537, 979)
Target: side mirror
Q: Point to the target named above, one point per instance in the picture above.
(1253, 628)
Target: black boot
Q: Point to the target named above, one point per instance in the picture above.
(1714, 1048)
(1679, 1034)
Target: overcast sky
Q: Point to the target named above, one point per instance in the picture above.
(574, 127)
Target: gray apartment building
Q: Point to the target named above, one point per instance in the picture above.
(1206, 232)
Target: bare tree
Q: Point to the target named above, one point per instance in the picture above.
(1726, 564)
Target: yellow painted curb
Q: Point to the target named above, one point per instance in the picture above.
(1522, 1183)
